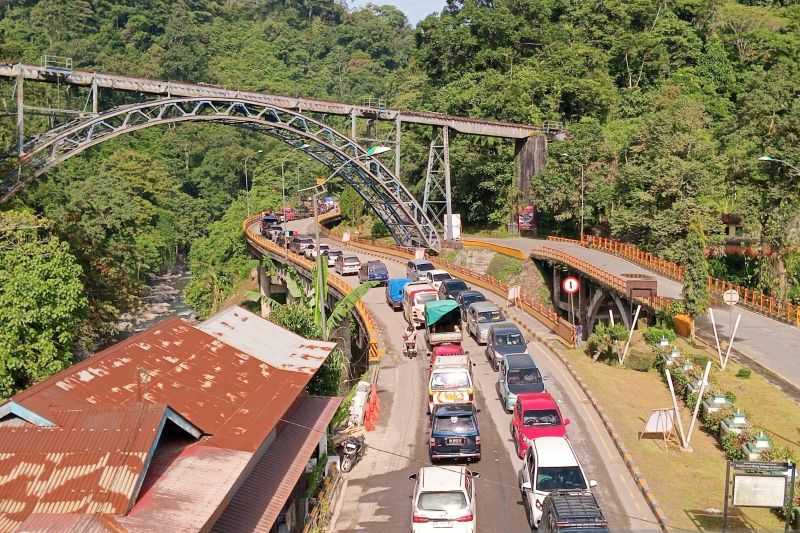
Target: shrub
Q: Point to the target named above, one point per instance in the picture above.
(711, 421)
(605, 343)
(654, 334)
(743, 373)
(700, 361)
(732, 443)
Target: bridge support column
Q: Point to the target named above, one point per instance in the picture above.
(598, 298)
(264, 283)
(94, 96)
(19, 92)
(397, 124)
(530, 157)
(437, 198)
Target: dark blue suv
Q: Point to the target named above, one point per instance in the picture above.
(455, 433)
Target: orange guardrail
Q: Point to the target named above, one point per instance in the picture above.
(547, 316)
(750, 298)
(335, 281)
(495, 247)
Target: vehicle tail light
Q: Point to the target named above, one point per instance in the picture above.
(466, 518)
(478, 440)
(538, 505)
(433, 442)
(471, 396)
(419, 519)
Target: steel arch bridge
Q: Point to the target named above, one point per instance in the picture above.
(406, 220)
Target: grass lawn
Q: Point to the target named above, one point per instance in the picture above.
(688, 485)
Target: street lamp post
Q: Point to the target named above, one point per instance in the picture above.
(580, 163)
(770, 159)
(246, 185)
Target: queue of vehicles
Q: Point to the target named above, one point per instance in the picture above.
(555, 490)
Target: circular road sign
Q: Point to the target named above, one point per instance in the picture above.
(570, 284)
(730, 297)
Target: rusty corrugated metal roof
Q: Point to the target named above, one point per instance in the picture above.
(243, 330)
(92, 463)
(259, 500)
(59, 523)
(234, 397)
(229, 394)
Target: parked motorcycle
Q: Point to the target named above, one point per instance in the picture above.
(350, 451)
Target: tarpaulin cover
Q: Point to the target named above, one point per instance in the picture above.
(438, 309)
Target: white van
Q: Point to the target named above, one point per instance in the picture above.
(414, 297)
(550, 464)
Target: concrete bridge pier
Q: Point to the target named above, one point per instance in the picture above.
(603, 302)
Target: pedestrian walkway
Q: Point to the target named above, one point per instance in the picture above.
(770, 343)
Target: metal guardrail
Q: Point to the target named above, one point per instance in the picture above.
(752, 299)
(334, 280)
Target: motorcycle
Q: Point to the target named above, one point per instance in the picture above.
(410, 349)
(351, 449)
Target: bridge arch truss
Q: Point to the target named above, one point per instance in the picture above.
(405, 218)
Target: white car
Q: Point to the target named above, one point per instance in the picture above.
(550, 464)
(347, 264)
(333, 255)
(311, 253)
(435, 277)
(444, 500)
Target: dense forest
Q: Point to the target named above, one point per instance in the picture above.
(669, 104)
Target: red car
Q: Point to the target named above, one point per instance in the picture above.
(288, 214)
(443, 350)
(536, 414)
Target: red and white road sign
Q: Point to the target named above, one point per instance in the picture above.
(570, 285)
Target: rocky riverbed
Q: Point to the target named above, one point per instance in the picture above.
(163, 298)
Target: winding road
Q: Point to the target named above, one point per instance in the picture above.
(377, 493)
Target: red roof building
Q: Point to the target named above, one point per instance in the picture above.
(166, 429)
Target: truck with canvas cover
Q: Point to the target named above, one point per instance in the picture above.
(442, 323)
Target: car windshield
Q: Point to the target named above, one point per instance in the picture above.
(490, 316)
(457, 286)
(457, 425)
(424, 267)
(450, 380)
(425, 297)
(442, 501)
(470, 298)
(552, 478)
(544, 417)
(510, 339)
(351, 260)
(335, 252)
(524, 380)
(378, 269)
(324, 247)
(442, 276)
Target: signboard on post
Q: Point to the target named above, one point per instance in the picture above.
(570, 285)
(526, 218)
(759, 484)
(730, 297)
(452, 227)
(419, 253)
(346, 236)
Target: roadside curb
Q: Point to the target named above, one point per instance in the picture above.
(641, 482)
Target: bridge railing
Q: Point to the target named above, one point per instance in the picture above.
(751, 298)
(251, 231)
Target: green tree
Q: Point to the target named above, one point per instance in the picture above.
(695, 277)
(42, 302)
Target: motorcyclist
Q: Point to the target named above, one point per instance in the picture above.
(410, 340)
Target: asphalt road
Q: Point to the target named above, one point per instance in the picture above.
(377, 494)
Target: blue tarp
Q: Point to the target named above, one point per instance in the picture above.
(394, 288)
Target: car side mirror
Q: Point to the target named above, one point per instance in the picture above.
(412, 476)
(526, 485)
(592, 483)
(567, 421)
(475, 475)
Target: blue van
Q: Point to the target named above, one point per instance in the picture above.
(394, 292)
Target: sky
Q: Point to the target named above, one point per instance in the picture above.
(415, 10)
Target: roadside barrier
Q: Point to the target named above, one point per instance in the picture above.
(373, 408)
(750, 298)
(335, 281)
